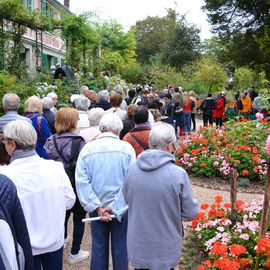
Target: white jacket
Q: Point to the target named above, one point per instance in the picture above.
(45, 193)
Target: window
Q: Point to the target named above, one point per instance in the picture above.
(30, 5)
(44, 7)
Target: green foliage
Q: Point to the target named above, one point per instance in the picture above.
(133, 73)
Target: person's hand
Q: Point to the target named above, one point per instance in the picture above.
(104, 213)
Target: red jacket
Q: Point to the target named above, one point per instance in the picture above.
(219, 110)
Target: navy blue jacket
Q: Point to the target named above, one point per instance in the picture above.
(10, 201)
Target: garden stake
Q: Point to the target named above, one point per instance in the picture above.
(233, 195)
(265, 211)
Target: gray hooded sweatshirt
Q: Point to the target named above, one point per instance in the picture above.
(159, 196)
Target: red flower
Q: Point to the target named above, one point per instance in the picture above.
(237, 250)
(219, 249)
(203, 164)
(227, 205)
(264, 246)
(245, 172)
(256, 158)
(220, 213)
(218, 199)
(201, 267)
(207, 263)
(204, 206)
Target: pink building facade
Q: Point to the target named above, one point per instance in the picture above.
(52, 49)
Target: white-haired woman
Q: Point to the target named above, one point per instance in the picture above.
(155, 187)
(82, 104)
(101, 169)
(47, 104)
(91, 133)
(45, 193)
(33, 110)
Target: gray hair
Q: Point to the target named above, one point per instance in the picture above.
(22, 133)
(47, 103)
(95, 115)
(82, 103)
(11, 102)
(161, 135)
(83, 89)
(103, 95)
(111, 122)
(52, 95)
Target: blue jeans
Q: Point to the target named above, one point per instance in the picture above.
(187, 121)
(101, 232)
(48, 261)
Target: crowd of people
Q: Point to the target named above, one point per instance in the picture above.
(107, 155)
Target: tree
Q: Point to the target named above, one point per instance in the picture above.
(211, 75)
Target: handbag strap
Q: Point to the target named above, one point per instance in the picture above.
(58, 151)
(142, 145)
(40, 130)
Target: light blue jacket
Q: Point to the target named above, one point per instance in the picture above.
(102, 167)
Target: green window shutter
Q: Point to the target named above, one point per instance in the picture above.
(44, 7)
(30, 5)
(45, 60)
(55, 60)
(52, 11)
(62, 62)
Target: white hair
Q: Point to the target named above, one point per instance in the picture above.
(22, 133)
(11, 102)
(161, 135)
(103, 95)
(82, 103)
(111, 122)
(84, 88)
(95, 115)
(52, 95)
(47, 103)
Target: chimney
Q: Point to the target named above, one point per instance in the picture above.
(66, 3)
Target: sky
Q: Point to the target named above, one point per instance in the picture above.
(127, 12)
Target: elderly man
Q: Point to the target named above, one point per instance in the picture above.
(45, 193)
(54, 98)
(159, 196)
(82, 104)
(101, 169)
(11, 104)
(103, 100)
(47, 104)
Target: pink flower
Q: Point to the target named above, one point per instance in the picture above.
(268, 145)
(244, 236)
(259, 116)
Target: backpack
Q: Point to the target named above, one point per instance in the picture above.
(71, 163)
(239, 104)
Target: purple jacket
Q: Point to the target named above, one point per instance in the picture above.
(64, 142)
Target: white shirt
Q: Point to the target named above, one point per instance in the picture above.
(45, 194)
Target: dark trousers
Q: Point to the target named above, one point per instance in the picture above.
(48, 261)
(101, 233)
(78, 226)
(207, 118)
(219, 122)
(193, 121)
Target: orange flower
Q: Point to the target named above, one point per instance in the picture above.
(207, 263)
(219, 249)
(237, 161)
(264, 246)
(201, 267)
(245, 172)
(218, 199)
(212, 213)
(227, 205)
(255, 150)
(204, 206)
(237, 250)
(256, 158)
(220, 213)
(203, 164)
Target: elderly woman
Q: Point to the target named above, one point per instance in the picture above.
(44, 190)
(103, 100)
(155, 187)
(116, 100)
(60, 147)
(82, 104)
(101, 170)
(33, 110)
(94, 116)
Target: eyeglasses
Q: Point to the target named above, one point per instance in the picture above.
(174, 148)
(6, 140)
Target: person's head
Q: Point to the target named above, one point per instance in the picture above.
(115, 100)
(192, 93)
(111, 122)
(85, 91)
(52, 68)
(58, 65)
(162, 137)
(131, 93)
(103, 95)
(66, 120)
(54, 98)
(118, 89)
(95, 115)
(167, 98)
(82, 103)
(4, 157)
(47, 103)
(130, 110)
(245, 93)
(92, 95)
(33, 104)
(209, 95)
(140, 115)
(19, 135)
(11, 102)
(156, 114)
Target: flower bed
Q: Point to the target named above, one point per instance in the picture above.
(213, 152)
(230, 246)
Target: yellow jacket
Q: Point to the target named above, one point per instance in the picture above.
(247, 104)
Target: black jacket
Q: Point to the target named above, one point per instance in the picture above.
(50, 116)
(13, 212)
